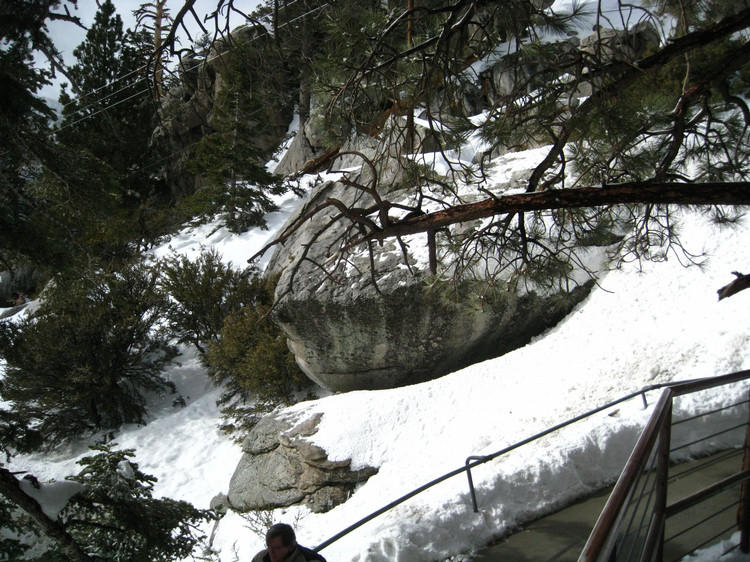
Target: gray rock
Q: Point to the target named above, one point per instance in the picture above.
(350, 327)
(187, 112)
(408, 335)
(611, 45)
(280, 467)
(219, 503)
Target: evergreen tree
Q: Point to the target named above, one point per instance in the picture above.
(86, 360)
(251, 358)
(15, 526)
(117, 517)
(204, 291)
(25, 144)
(231, 157)
(110, 114)
(113, 517)
(24, 122)
(224, 313)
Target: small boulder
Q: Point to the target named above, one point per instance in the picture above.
(281, 467)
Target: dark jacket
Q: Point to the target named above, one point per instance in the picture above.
(299, 554)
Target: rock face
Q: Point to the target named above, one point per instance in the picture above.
(378, 318)
(24, 280)
(621, 45)
(280, 467)
(407, 335)
(187, 113)
(351, 327)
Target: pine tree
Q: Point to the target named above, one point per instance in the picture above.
(117, 516)
(203, 291)
(25, 143)
(251, 358)
(113, 517)
(231, 157)
(655, 122)
(109, 113)
(85, 362)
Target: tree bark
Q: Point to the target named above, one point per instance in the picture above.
(731, 193)
(741, 283)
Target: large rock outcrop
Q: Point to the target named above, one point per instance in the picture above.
(187, 113)
(381, 321)
(378, 318)
(280, 467)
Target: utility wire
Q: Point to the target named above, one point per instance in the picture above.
(98, 102)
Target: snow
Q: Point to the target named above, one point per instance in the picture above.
(642, 324)
(52, 496)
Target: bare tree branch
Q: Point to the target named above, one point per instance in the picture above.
(741, 283)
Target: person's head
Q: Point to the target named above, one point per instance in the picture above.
(280, 541)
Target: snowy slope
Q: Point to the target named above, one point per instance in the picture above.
(638, 327)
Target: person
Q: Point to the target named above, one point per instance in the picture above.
(281, 545)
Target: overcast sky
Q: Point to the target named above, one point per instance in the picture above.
(68, 36)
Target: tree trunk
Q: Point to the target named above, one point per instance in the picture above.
(11, 489)
(729, 193)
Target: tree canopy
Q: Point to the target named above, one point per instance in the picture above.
(109, 113)
(645, 111)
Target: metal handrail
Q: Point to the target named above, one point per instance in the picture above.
(474, 461)
(602, 541)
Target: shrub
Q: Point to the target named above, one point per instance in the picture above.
(86, 359)
(225, 314)
(251, 357)
(203, 292)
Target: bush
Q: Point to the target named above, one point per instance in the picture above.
(203, 293)
(251, 357)
(224, 313)
(85, 360)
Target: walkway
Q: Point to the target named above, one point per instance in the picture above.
(560, 537)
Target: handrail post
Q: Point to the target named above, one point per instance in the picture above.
(472, 492)
(743, 512)
(662, 482)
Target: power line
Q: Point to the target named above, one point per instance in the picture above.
(142, 68)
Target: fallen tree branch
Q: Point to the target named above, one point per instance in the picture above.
(713, 193)
(11, 489)
(741, 283)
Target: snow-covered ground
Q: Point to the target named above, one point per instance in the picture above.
(641, 325)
